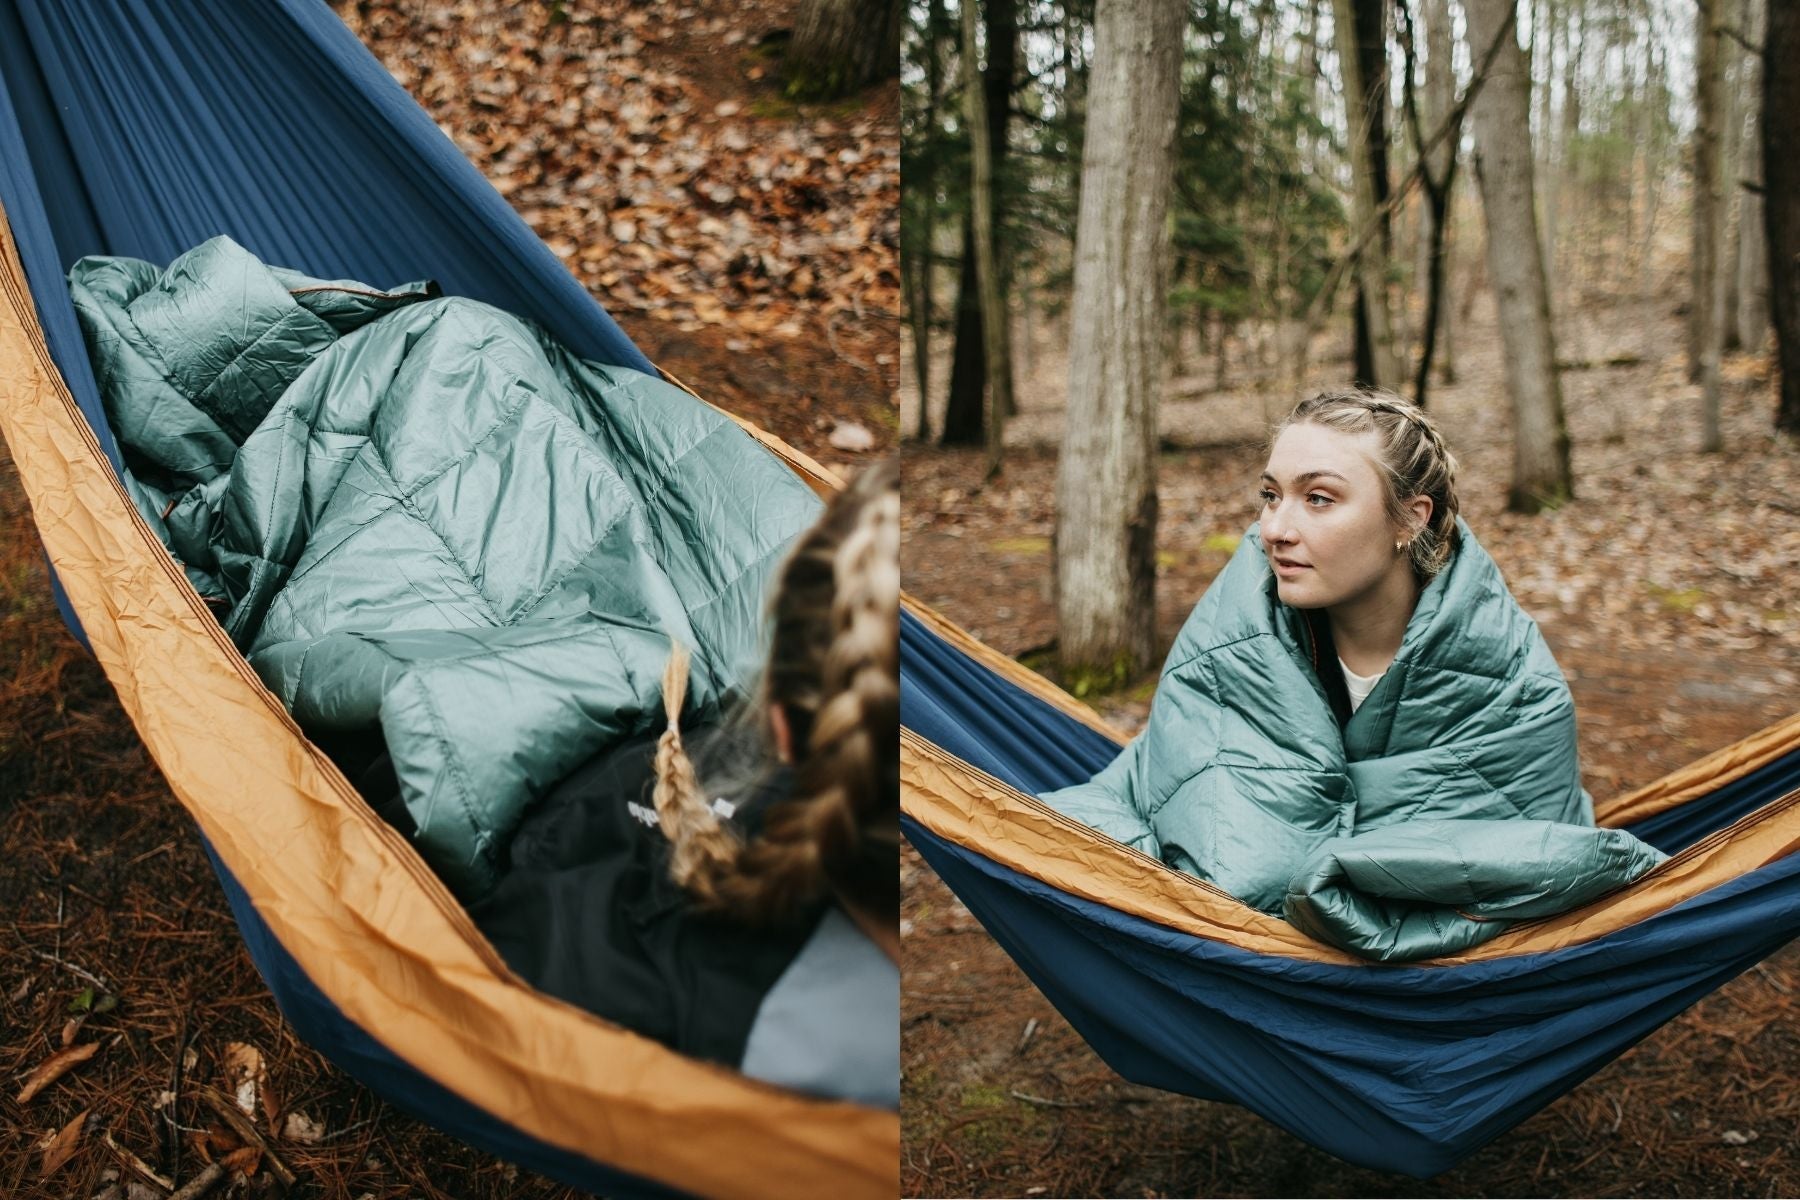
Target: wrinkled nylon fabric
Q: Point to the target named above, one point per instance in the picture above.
(1401, 1068)
(1448, 806)
(141, 130)
(420, 515)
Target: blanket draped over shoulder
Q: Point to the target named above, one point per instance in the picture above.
(1448, 807)
(420, 517)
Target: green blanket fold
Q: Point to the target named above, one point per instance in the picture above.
(422, 516)
(1450, 805)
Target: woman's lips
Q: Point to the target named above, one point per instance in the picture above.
(1284, 567)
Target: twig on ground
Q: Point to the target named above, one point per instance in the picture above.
(135, 1163)
(245, 1129)
(78, 971)
(201, 1183)
(1046, 1102)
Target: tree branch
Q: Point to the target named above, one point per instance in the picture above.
(1320, 308)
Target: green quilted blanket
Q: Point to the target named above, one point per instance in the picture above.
(422, 519)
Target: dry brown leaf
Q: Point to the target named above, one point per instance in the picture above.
(247, 1160)
(303, 1129)
(62, 1146)
(244, 1075)
(54, 1067)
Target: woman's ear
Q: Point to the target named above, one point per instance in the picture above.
(1421, 507)
(782, 732)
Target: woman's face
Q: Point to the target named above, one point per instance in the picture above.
(1325, 526)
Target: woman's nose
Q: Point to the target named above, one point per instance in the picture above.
(1276, 527)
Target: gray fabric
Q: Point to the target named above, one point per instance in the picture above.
(831, 1023)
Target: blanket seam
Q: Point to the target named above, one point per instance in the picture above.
(456, 764)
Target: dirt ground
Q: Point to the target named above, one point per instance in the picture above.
(1664, 590)
(115, 931)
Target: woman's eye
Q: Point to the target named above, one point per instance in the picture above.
(1266, 496)
(1311, 496)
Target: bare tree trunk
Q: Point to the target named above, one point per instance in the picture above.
(1549, 177)
(996, 327)
(1503, 168)
(1221, 346)
(1706, 297)
(1543, 66)
(841, 46)
(1365, 108)
(1753, 251)
(1574, 51)
(1440, 93)
(1730, 138)
(1106, 478)
(964, 406)
(964, 409)
(1781, 201)
(924, 273)
(1437, 174)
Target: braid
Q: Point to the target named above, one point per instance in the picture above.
(1414, 458)
(834, 669)
(700, 840)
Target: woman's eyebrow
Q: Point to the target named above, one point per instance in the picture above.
(1308, 476)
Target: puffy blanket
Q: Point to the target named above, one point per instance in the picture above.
(1448, 807)
(422, 519)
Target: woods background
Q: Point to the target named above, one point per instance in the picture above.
(1548, 221)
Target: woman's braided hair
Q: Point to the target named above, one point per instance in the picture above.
(1414, 458)
(834, 668)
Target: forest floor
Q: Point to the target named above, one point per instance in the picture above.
(1664, 589)
(747, 244)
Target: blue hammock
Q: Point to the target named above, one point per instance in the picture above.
(1407, 1069)
(141, 129)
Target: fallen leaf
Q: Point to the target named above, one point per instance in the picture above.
(848, 435)
(53, 1068)
(62, 1146)
(301, 1128)
(244, 1074)
(246, 1160)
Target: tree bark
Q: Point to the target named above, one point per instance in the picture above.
(1731, 120)
(1781, 201)
(842, 46)
(1106, 477)
(1437, 175)
(1440, 93)
(1358, 24)
(1556, 31)
(924, 274)
(1503, 169)
(965, 406)
(1706, 297)
(964, 420)
(1543, 66)
(1753, 252)
(995, 327)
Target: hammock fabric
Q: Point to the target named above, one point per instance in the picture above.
(141, 130)
(1179, 986)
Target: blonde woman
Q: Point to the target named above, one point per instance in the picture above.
(1359, 727)
(738, 898)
